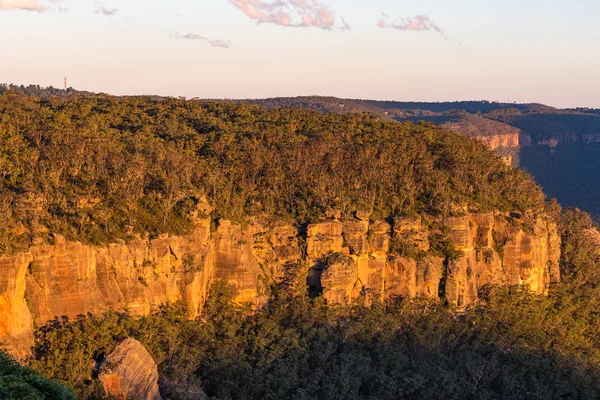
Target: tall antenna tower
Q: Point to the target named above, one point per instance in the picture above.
(65, 83)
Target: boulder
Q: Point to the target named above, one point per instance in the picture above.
(130, 373)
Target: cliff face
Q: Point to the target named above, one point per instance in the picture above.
(497, 141)
(496, 252)
(16, 325)
(71, 279)
(342, 261)
(252, 259)
(491, 251)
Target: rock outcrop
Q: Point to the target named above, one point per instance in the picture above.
(71, 279)
(495, 251)
(343, 261)
(489, 250)
(501, 141)
(251, 259)
(130, 373)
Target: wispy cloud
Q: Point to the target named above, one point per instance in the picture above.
(106, 11)
(102, 9)
(293, 13)
(59, 6)
(31, 5)
(419, 23)
(345, 26)
(213, 42)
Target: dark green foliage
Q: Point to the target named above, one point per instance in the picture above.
(563, 157)
(21, 383)
(403, 247)
(41, 92)
(99, 168)
(392, 108)
(442, 246)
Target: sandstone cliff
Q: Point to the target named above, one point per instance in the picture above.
(342, 261)
(497, 141)
(491, 250)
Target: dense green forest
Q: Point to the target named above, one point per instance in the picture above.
(337, 105)
(40, 91)
(558, 146)
(23, 383)
(101, 168)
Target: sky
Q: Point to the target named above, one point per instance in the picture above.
(545, 51)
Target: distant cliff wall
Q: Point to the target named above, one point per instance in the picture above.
(506, 141)
(342, 261)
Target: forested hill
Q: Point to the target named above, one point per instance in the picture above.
(391, 108)
(99, 168)
(475, 118)
(540, 121)
(40, 91)
(559, 147)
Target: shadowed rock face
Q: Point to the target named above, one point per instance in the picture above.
(130, 373)
(344, 261)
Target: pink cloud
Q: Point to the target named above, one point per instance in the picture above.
(293, 13)
(31, 5)
(26, 5)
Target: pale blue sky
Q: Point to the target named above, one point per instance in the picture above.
(524, 51)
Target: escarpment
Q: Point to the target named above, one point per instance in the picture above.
(343, 260)
(512, 140)
(488, 249)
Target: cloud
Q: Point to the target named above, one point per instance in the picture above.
(420, 23)
(31, 5)
(292, 13)
(102, 9)
(213, 42)
(106, 11)
(345, 26)
(58, 4)
(26, 5)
